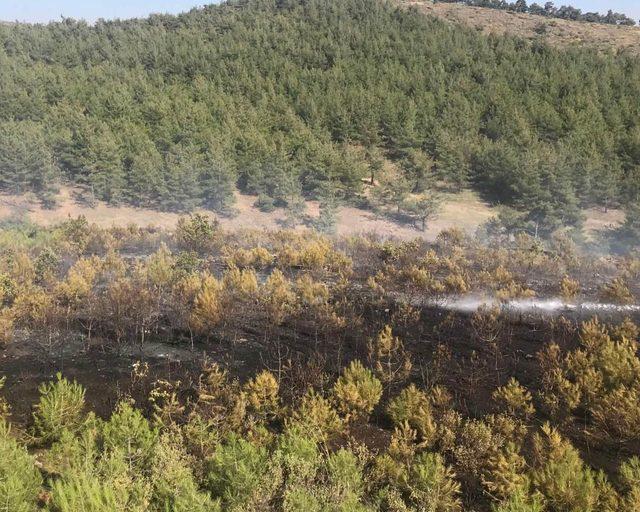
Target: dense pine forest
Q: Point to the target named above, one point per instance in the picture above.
(307, 99)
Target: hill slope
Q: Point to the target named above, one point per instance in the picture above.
(308, 100)
(554, 31)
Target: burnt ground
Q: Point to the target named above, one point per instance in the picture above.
(106, 371)
(473, 365)
(108, 374)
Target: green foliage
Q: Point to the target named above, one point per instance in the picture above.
(130, 434)
(520, 502)
(85, 492)
(316, 417)
(432, 485)
(175, 488)
(5, 409)
(175, 123)
(61, 407)
(20, 480)
(26, 160)
(237, 473)
(561, 476)
(196, 232)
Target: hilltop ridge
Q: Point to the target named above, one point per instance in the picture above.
(555, 31)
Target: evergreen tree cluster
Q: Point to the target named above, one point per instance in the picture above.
(286, 99)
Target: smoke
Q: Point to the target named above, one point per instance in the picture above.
(550, 306)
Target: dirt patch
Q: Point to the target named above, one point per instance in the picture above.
(465, 210)
(597, 219)
(554, 31)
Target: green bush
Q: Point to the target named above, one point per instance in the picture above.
(561, 476)
(20, 480)
(174, 486)
(316, 417)
(237, 473)
(130, 433)
(432, 485)
(85, 492)
(520, 502)
(61, 407)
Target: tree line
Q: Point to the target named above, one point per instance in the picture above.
(291, 100)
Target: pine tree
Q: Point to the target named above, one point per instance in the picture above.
(106, 173)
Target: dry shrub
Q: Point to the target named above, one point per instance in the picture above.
(506, 474)
(207, 311)
(262, 395)
(316, 417)
(356, 392)
(412, 407)
(514, 399)
(617, 291)
(390, 360)
(569, 288)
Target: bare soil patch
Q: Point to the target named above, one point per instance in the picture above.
(465, 211)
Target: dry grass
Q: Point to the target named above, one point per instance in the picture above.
(554, 31)
(464, 210)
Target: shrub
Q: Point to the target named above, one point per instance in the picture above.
(5, 410)
(569, 288)
(560, 475)
(6, 326)
(626, 330)
(345, 480)
(506, 476)
(475, 445)
(207, 311)
(238, 473)
(617, 291)
(129, 432)
(559, 396)
(521, 502)
(174, 487)
(196, 233)
(357, 392)
(514, 399)
(299, 457)
(432, 484)
(86, 492)
(412, 406)
(61, 407)
(262, 394)
(618, 414)
(316, 417)
(108, 484)
(391, 361)
(20, 480)
(630, 480)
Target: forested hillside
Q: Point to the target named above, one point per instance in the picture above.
(290, 99)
